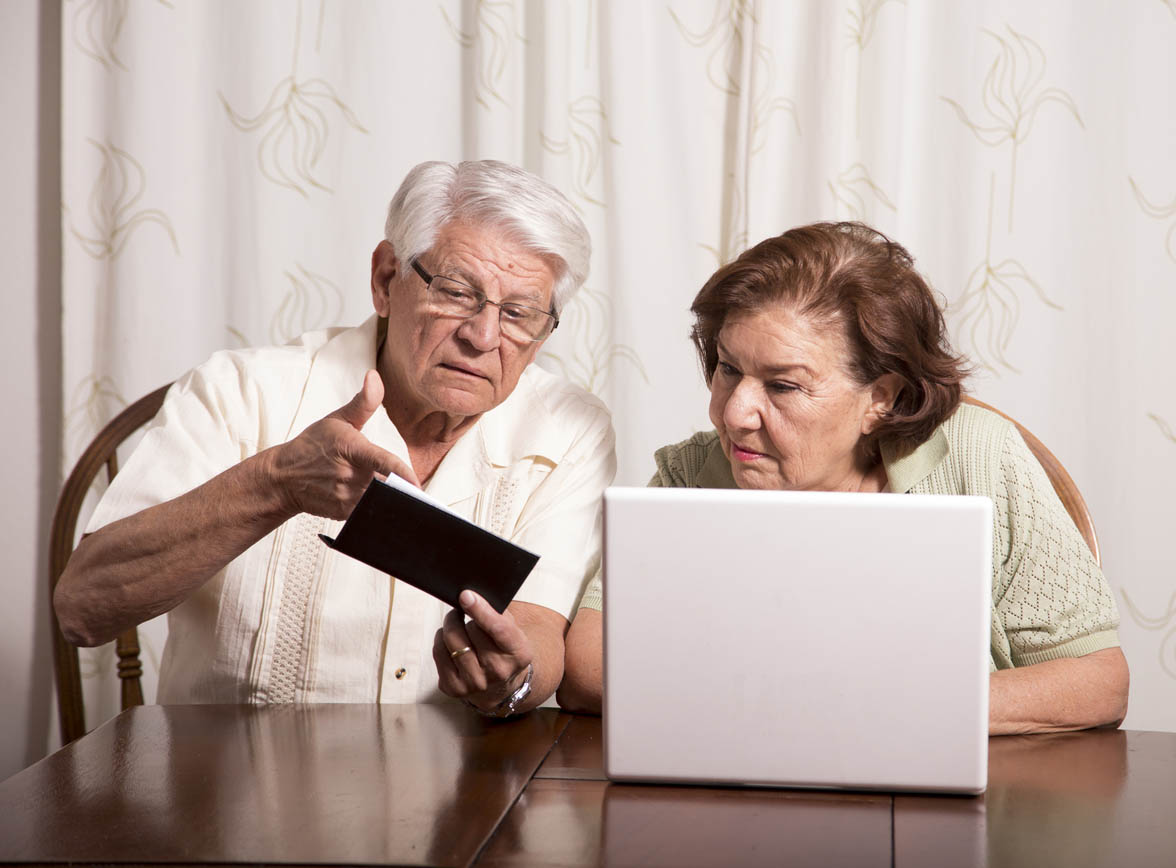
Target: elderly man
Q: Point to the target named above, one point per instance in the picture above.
(215, 518)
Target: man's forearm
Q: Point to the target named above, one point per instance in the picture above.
(1059, 695)
(146, 564)
(545, 630)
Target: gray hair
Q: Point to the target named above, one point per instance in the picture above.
(491, 193)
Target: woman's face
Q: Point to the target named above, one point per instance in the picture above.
(788, 414)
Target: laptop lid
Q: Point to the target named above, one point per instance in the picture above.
(808, 639)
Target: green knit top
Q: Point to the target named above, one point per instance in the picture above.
(1049, 597)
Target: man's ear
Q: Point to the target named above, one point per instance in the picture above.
(883, 393)
(385, 269)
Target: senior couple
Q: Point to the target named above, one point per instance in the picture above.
(828, 368)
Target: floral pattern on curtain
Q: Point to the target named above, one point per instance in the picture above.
(226, 167)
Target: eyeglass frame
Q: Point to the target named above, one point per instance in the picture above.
(429, 278)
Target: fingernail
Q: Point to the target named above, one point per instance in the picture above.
(467, 599)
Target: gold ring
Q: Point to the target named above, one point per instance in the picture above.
(460, 651)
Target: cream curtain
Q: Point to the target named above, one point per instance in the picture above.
(226, 166)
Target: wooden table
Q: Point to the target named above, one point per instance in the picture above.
(1095, 798)
(437, 785)
(321, 784)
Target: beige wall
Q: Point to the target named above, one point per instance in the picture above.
(31, 373)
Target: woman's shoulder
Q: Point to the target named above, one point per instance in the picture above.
(978, 443)
(962, 456)
(679, 464)
(971, 426)
(700, 443)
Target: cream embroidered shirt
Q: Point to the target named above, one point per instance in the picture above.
(1049, 597)
(290, 619)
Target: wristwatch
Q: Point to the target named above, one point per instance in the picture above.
(509, 705)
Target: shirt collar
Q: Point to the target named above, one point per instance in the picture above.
(905, 472)
(517, 429)
(336, 374)
(521, 426)
(716, 469)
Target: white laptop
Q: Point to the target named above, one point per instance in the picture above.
(797, 639)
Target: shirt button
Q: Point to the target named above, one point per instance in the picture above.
(400, 673)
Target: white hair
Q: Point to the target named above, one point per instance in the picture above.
(493, 194)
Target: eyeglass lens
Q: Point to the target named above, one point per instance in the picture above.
(448, 297)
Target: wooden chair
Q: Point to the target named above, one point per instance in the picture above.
(101, 452)
(1062, 483)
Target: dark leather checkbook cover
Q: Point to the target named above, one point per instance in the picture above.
(431, 548)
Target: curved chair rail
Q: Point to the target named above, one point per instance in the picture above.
(100, 453)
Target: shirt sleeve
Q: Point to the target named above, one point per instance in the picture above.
(561, 521)
(594, 594)
(194, 437)
(1052, 600)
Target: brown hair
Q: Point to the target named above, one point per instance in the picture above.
(852, 275)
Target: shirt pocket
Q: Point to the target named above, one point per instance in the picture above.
(500, 505)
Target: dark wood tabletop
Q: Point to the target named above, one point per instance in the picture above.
(439, 785)
(295, 784)
(1073, 800)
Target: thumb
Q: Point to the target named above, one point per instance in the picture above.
(367, 400)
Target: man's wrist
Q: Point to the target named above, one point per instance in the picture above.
(269, 478)
(515, 698)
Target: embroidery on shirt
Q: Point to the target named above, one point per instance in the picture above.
(302, 568)
(503, 508)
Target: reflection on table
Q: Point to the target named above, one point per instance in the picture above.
(335, 784)
(1096, 798)
(439, 785)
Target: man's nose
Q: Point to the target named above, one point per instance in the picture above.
(482, 330)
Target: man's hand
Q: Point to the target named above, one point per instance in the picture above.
(326, 468)
(485, 660)
(148, 563)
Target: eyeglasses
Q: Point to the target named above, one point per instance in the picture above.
(518, 322)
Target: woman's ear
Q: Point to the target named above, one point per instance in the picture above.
(385, 267)
(883, 393)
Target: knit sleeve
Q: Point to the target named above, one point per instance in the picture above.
(592, 598)
(671, 471)
(679, 464)
(1051, 598)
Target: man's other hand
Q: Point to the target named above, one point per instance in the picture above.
(326, 468)
(484, 660)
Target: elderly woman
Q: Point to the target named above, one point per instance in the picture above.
(829, 370)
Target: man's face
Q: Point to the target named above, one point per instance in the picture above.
(460, 367)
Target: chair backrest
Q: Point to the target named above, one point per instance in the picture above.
(1064, 486)
(100, 453)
